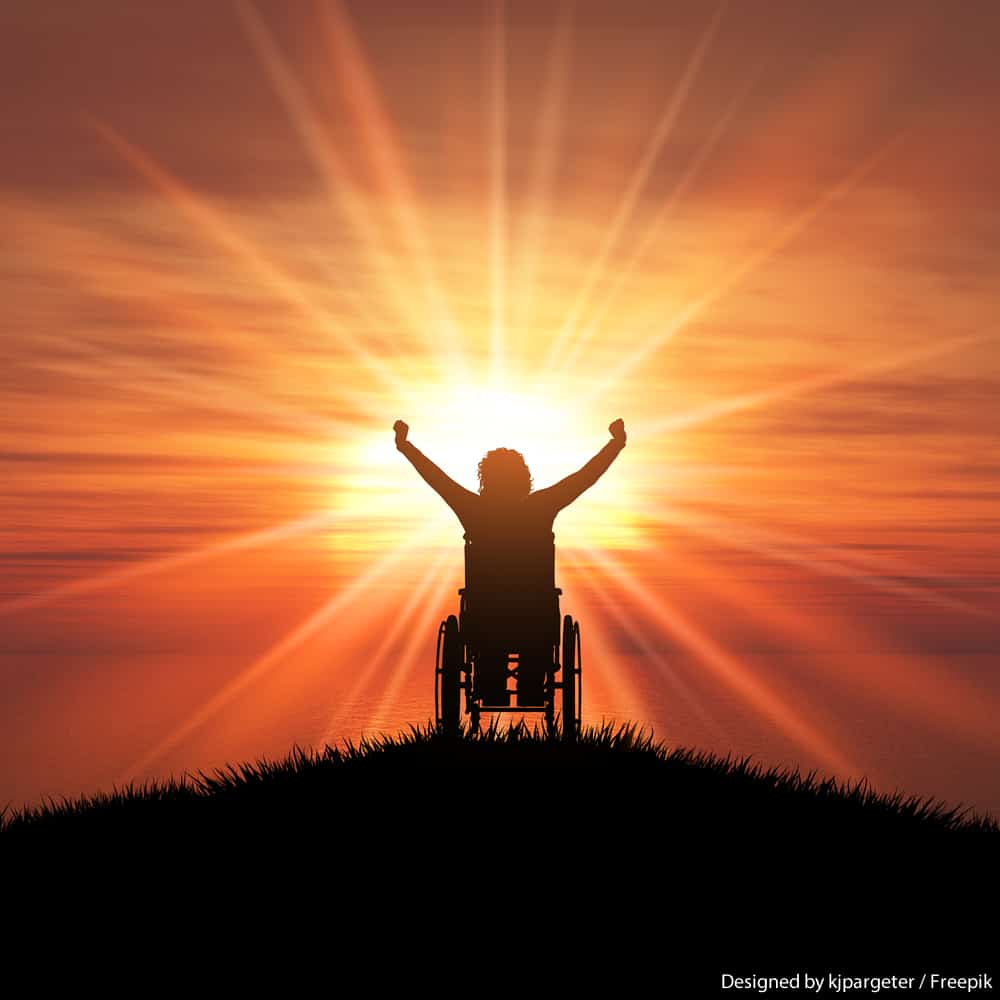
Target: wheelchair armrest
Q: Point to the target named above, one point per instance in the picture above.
(557, 591)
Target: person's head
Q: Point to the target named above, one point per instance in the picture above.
(504, 474)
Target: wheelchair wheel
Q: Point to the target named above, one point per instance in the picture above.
(448, 689)
(571, 679)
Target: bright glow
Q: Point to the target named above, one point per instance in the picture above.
(456, 427)
(467, 422)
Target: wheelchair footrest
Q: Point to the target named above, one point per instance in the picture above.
(512, 708)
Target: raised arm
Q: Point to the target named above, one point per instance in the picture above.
(567, 490)
(457, 497)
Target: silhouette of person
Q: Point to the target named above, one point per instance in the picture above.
(511, 558)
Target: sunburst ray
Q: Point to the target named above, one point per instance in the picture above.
(626, 208)
(652, 339)
(946, 702)
(402, 620)
(498, 191)
(810, 384)
(386, 153)
(276, 279)
(417, 653)
(548, 131)
(736, 675)
(164, 564)
(276, 654)
(654, 229)
(607, 598)
(129, 281)
(868, 571)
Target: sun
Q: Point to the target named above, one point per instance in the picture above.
(455, 425)
(474, 420)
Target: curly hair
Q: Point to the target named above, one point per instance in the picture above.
(504, 470)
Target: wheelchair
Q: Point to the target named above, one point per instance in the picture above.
(479, 652)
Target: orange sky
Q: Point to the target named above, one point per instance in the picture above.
(241, 240)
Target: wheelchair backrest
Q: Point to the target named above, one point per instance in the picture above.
(525, 565)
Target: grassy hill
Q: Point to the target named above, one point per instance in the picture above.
(611, 781)
(614, 859)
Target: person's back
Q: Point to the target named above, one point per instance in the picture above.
(510, 567)
(510, 552)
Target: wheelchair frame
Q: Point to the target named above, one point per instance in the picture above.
(458, 655)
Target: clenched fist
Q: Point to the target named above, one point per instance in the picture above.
(617, 429)
(402, 429)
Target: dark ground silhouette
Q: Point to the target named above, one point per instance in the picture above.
(611, 860)
(620, 766)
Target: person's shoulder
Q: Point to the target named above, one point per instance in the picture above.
(541, 501)
(471, 505)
